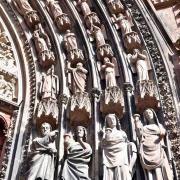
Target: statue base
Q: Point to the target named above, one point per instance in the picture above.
(80, 109)
(146, 96)
(104, 51)
(75, 56)
(112, 101)
(47, 112)
(46, 58)
(63, 22)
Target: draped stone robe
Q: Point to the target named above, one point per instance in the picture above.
(76, 164)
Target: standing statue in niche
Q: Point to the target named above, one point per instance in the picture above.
(84, 7)
(43, 152)
(78, 155)
(98, 35)
(70, 41)
(43, 47)
(119, 155)
(61, 19)
(109, 70)
(152, 148)
(78, 79)
(50, 85)
(25, 9)
(141, 62)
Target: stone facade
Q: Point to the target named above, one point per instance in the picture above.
(89, 89)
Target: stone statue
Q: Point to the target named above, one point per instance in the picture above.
(43, 46)
(50, 85)
(115, 6)
(98, 35)
(84, 7)
(152, 148)
(70, 41)
(25, 9)
(7, 89)
(42, 154)
(124, 23)
(109, 70)
(78, 77)
(141, 62)
(61, 19)
(119, 155)
(78, 154)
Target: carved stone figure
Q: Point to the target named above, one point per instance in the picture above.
(152, 149)
(50, 85)
(7, 89)
(43, 152)
(43, 47)
(98, 35)
(84, 7)
(78, 155)
(109, 70)
(142, 64)
(70, 41)
(61, 19)
(25, 9)
(130, 37)
(119, 155)
(115, 6)
(78, 78)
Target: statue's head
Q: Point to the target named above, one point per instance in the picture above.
(106, 59)
(111, 121)
(45, 128)
(81, 132)
(79, 64)
(149, 116)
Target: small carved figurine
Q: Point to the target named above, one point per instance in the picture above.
(109, 69)
(119, 155)
(78, 77)
(43, 151)
(141, 62)
(78, 156)
(25, 9)
(50, 85)
(70, 41)
(43, 47)
(152, 149)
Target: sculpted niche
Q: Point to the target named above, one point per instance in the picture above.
(152, 148)
(42, 154)
(119, 155)
(78, 155)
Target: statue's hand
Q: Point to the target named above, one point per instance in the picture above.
(52, 150)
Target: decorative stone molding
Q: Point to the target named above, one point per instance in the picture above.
(112, 101)
(80, 109)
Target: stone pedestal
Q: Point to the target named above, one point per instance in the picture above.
(75, 56)
(46, 58)
(80, 109)
(132, 41)
(47, 112)
(146, 96)
(112, 101)
(104, 51)
(63, 22)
